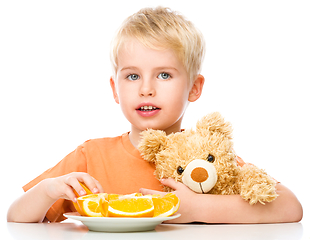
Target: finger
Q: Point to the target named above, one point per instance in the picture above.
(146, 191)
(74, 183)
(170, 182)
(69, 194)
(90, 182)
(99, 187)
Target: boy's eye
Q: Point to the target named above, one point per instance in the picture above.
(164, 76)
(133, 77)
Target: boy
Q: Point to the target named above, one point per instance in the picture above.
(157, 57)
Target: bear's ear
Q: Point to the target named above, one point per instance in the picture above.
(152, 142)
(214, 123)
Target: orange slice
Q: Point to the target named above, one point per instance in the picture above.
(104, 207)
(76, 205)
(165, 206)
(174, 199)
(133, 195)
(114, 196)
(162, 207)
(85, 188)
(131, 207)
(92, 205)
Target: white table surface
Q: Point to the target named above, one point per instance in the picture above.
(76, 230)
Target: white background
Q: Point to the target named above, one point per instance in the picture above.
(55, 93)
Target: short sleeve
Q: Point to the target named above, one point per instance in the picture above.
(73, 162)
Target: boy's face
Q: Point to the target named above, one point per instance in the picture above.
(151, 87)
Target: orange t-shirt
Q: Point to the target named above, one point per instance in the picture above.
(114, 162)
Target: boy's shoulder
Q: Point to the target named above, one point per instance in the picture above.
(105, 141)
(109, 147)
(95, 141)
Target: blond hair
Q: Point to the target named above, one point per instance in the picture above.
(161, 28)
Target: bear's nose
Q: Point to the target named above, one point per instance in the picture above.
(199, 174)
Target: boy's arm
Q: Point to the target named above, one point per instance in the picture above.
(33, 205)
(211, 208)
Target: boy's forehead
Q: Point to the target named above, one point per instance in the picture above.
(132, 51)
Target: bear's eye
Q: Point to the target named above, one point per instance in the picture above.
(180, 170)
(210, 158)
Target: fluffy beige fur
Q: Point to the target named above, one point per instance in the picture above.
(212, 136)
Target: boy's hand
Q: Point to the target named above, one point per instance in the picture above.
(183, 193)
(62, 187)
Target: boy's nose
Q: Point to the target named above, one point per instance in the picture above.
(147, 90)
(147, 93)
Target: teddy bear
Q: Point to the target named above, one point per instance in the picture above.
(205, 161)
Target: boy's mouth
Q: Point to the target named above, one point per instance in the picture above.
(147, 108)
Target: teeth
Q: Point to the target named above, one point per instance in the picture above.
(145, 108)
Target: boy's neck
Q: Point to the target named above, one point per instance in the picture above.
(135, 137)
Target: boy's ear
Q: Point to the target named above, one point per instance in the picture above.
(196, 90)
(115, 95)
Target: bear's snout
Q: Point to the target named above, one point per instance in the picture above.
(200, 176)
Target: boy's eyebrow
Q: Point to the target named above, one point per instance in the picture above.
(128, 68)
(157, 68)
(166, 68)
